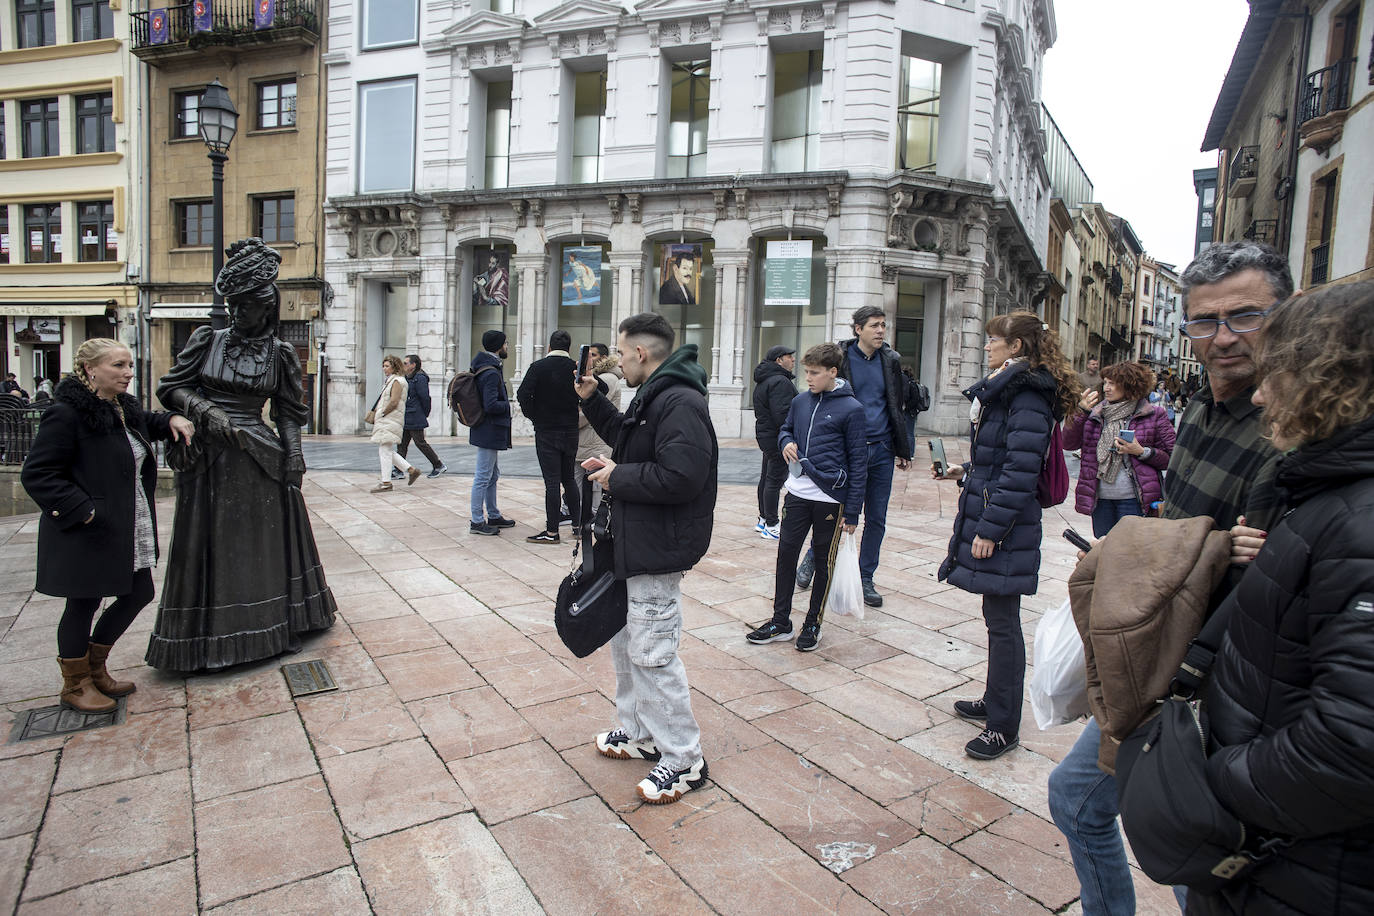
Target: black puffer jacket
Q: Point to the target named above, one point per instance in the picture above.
(1291, 696)
(663, 488)
(774, 390)
(895, 393)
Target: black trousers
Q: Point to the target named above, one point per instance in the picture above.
(1006, 662)
(557, 454)
(771, 477)
(822, 520)
(74, 634)
(425, 448)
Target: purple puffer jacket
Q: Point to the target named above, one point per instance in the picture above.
(1152, 430)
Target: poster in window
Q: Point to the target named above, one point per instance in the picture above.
(787, 273)
(581, 275)
(681, 275)
(38, 330)
(491, 278)
(111, 241)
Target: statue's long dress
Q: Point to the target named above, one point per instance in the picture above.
(243, 575)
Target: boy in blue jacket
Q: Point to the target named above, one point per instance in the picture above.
(824, 442)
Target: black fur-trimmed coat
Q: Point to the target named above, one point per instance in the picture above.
(81, 462)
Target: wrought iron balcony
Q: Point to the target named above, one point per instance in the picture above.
(1328, 90)
(1262, 230)
(1321, 262)
(1244, 171)
(231, 22)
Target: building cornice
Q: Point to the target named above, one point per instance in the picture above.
(61, 52)
(76, 160)
(1243, 61)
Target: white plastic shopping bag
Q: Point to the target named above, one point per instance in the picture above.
(1059, 687)
(846, 589)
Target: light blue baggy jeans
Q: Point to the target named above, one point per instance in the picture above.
(651, 696)
(484, 478)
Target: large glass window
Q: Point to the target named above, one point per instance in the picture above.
(687, 118)
(274, 218)
(495, 299)
(92, 19)
(585, 293)
(908, 337)
(186, 113)
(589, 122)
(95, 131)
(684, 292)
(796, 110)
(95, 223)
(386, 148)
(276, 104)
(795, 326)
(43, 227)
(37, 22)
(38, 118)
(388, 23)
(195, 223)
(918, 115)
(497, 172)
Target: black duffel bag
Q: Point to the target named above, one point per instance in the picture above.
(592, 604)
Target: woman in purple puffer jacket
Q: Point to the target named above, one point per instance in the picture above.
(1119, 476)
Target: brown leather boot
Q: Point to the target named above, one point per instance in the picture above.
(103, 682)
(78, 690)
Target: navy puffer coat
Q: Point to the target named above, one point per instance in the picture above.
(998, 499)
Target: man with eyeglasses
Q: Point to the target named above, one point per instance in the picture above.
(1221, 466)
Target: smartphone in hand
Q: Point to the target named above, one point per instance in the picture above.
(582, 357)
(937, 457)
(1077, 540)
(593, 464)
(1126, 435)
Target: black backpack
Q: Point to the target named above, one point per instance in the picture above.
(465, 399)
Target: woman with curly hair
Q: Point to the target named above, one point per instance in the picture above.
(1120, 473)
(995, 550)
(1291, 694)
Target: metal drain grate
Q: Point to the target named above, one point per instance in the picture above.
(305, 678)
(50, 721)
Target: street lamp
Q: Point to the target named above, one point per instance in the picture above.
(219, 120)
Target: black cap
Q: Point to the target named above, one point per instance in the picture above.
(777, 353)
(493, 340)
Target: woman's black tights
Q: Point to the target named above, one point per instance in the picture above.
(74, 634)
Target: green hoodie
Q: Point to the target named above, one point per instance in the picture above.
(680, 366)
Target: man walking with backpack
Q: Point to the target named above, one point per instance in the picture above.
(490, 434)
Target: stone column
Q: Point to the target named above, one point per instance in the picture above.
(727, 383)
(524, 349)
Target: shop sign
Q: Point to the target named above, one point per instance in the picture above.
(34, 329)
(787, 273)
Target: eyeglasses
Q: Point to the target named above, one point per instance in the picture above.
(1239, 323)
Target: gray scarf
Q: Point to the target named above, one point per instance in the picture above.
(1114, 419)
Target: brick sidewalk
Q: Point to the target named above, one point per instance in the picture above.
(453, 771)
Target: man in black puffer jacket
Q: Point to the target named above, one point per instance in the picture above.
(773, 393)
(662, 482)
(549, 401)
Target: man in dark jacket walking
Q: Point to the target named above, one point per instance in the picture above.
(549, 400)
(773, 393)
(662, 481)
(417, 417)
(491, 436)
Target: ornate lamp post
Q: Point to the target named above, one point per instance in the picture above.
(219, 121)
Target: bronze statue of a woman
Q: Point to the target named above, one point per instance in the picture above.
(243, 576)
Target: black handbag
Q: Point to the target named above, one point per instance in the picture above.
(1179, 830)
(592, 603)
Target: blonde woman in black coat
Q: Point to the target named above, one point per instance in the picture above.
(92, 473)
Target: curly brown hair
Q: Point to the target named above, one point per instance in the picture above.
(1040, 346)
(395, 363)
(1318, 351)
(1135, 379)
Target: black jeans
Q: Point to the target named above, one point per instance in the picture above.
(557, 454)
(1006, 663)
(74, 634)
(771, 477)
(425, 448)
(798, 517)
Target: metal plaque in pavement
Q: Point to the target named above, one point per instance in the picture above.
(50, 721)
(305, 678)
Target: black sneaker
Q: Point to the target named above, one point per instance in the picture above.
(770, 632)
(564, 519)
(805, 572)
(501, 522)
(665, 784)
(441, 469)
(809, 637)
(871, 596)
(621, 746)
(990, 745)
(483, 529)
(396, 474)
(972, 710)
(543, 537)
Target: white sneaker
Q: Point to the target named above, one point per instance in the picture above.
(759, 525)
(772, 532)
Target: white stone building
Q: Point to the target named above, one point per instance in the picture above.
(899, 142)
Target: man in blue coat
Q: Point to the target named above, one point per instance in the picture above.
(417, 417)
(491, 436)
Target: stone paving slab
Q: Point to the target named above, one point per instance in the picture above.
(454, 769)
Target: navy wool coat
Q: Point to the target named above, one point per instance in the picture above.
(494, 430)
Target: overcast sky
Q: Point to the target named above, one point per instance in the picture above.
(1132, 86)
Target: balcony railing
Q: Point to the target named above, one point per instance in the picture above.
(1321, 260)
(1328, 90)
(1262, 230)
(1243, 172)
(232, 23)
(17, 428)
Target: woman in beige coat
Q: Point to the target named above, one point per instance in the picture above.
(388, 416)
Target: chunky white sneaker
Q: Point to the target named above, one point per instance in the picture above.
(759, 525)
(772, 532)
(619, 745)
(665, 784)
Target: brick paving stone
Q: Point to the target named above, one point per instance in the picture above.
(531, 617)
(425, 582)
(765, 704)
(28, 679)
(1042, 877)
(145, 744)
(363, 582)
(923, 878)
(156, 690)
(952, 809)
(351, 666)
(454, 865)
(14, 858)
(231, 696)
(338, 893)
(448, 607)
(370, 801)
(483, 637)
(853, 652)
(504, 590)
(246, 755)
(396, 634)
(169, 888)
(723, 733)
(930, 645)
(340, 723)
(530, 678)
(622, 875)
(818, 677)
(571, 721)
(469, 722)
(1020, 776)
(27, 782)
(516, 780)
(266, 838)
(803, 727)
(877, 767)
(372, 606)
(112, 829)
(881, 708)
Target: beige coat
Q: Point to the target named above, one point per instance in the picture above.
(1139, 597)
(589, 444)
(391, 411)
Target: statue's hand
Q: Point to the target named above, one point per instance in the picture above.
(295, 470)
(218, 427)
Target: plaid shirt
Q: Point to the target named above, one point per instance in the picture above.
(1221, 465)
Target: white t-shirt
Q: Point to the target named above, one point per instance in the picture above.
(806, 488)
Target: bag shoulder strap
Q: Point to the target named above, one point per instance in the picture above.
(1202, 652)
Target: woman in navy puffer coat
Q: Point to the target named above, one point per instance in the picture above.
(995, 550)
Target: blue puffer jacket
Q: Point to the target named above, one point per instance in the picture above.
(494, 430)
(998, 500)
(417, 401)
(831, 435)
